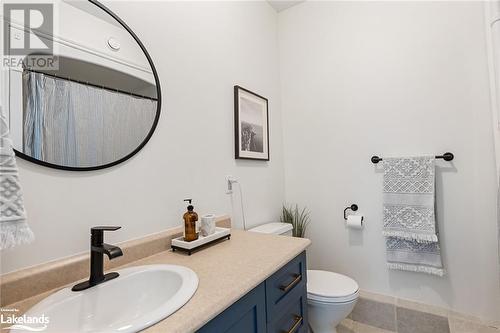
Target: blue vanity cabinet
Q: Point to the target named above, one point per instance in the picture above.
(277, 305)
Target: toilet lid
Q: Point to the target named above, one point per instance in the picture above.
(330, 287)
(276, 228)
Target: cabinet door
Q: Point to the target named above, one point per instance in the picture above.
(247, 315)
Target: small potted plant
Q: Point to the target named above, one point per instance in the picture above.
(298, 218)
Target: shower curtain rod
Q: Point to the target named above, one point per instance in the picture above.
(91, 84)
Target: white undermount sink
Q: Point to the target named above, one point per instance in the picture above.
(140, 297)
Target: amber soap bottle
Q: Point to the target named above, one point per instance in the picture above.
(190, 217)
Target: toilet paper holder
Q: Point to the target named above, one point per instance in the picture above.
(352, 207)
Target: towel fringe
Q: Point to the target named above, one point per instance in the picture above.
(420, 238)
(12, 234)
(416, 268)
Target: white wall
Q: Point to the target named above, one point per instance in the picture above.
(492, 28)
(200, 51)
(392, 78)
(492, 31)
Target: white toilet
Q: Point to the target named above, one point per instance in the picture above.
(330, 296)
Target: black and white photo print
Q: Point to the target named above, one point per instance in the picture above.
(251, 125)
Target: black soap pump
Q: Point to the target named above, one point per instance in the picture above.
(190, 217)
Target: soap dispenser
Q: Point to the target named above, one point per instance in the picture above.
(190, 217)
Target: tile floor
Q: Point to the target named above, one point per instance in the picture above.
(455, 325)
(376, 313)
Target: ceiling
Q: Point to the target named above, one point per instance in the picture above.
(280, 5)
(93, 10)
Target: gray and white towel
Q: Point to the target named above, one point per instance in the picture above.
(13, 227)
(409, 220)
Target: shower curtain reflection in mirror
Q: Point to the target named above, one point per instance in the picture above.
(78, 125)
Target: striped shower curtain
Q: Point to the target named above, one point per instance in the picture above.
(78, 125)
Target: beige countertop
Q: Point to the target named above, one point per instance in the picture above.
(226, 271)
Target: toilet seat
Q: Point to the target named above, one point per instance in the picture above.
(330, 287)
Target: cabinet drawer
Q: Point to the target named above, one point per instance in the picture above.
(283, 283)
(293, 319)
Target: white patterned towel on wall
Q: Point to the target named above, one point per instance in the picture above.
(13, 227)
(409, 219)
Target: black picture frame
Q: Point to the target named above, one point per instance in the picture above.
(251, 129)
(151, 131)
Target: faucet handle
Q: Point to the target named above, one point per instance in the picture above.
(104, 228)
(97, 234)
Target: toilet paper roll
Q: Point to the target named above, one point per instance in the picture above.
(355, 222)
(207, 225)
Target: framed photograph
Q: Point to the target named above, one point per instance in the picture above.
(251, 125)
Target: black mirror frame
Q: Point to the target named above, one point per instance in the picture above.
(155, 123)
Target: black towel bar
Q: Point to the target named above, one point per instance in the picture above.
(446, 156)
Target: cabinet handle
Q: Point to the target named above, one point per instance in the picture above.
(292, 284)
(296, 324)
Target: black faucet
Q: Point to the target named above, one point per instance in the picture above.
(97, 249)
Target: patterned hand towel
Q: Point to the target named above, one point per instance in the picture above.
(409, 219)
(13, 227)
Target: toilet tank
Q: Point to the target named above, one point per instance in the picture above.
(277, 228)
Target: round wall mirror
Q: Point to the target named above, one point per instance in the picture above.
(94, 102)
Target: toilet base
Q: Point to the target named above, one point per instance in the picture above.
(325, 317)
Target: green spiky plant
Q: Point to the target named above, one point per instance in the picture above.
(298, 218)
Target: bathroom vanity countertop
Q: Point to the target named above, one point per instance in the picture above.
(226, 271)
